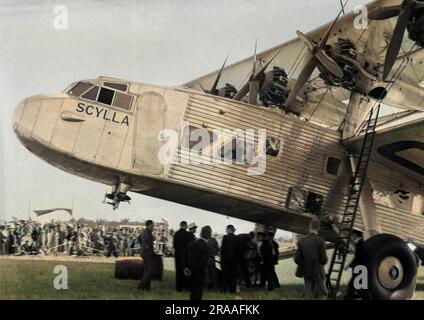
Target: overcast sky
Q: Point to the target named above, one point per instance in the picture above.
(160, 42)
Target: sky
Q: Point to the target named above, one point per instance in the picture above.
(161, 42)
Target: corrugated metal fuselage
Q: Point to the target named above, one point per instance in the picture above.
(102, 143)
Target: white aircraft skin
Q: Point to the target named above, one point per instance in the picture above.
(116, 132)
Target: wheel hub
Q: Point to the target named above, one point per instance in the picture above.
(390, 273)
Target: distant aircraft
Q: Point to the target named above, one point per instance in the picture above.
(327, 125)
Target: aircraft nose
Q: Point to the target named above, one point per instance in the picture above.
(24, 117)
(17, 115)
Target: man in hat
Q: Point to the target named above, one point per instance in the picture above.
(192, 228)
(197, 263)
(311, 258)
(181, 239)
(230, 257)
(148, 254)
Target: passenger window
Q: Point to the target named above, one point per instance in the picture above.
(80, 88)
(106, 96)
(91, 94)
(187, 142)
(117, 86)
(333, 166)
(272, 146)
(122, 100)
(239, 152)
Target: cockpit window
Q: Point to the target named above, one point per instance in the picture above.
(117, 86)
(122, 100)
(80, 88)
(106, 96)
(91, 94)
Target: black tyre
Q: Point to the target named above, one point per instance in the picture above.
(392, 268)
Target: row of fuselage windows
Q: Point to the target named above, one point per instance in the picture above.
(240, 151)
(107, 95)
(236, 150)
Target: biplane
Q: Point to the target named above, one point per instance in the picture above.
(329, 125)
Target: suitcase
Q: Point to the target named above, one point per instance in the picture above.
(134, 269)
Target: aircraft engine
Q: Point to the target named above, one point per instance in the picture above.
(229, 91)
(416, 30)
(344, 53)
(274, 87)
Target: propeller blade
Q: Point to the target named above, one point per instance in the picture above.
(329, 63)
(218, 77)
(203, 88)
(245, 89)
(397, 38)
(302, 79)
(242, 92)
(306, 40)
(254, 57)
(385, 13)
(265, 66)
(326, 36)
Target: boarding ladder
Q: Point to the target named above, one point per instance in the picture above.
(342, 247)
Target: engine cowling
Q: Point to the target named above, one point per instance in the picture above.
(274, 88)
(343, 47)
(416, 30)
(229, 91)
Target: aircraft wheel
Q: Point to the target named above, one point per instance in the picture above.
(392, 268)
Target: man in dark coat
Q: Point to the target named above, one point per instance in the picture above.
(181, 239)
(267, 260)
(197, 262)
(230, 258)
(311, 258)
(276, 254)
(148, 254)
(244, 262)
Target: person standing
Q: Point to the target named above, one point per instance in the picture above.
(197, 262)
(148, 254)
(3, 240)
(181, 239)
(211, 272)
(311, 257)
(267, 260)
(192, 228)
(230, 257)
(276, 254)
(244, 262)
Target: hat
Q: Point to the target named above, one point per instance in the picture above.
(231, 227)
(192, 226)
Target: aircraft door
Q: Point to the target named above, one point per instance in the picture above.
(150, 120)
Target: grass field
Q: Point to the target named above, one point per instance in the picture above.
(33, 279)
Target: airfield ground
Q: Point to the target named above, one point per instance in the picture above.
(93, 278)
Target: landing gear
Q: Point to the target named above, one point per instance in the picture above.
(392, 268)
(118, 195)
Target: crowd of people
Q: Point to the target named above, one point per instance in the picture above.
(201, 262)
(247, 258)
(28, 237)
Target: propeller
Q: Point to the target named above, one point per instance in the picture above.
(214, 89)
(255, 76)
(405, 12)
(317, 56)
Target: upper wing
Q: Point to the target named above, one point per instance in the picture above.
(324, 104)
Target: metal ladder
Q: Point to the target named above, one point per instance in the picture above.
(342, 247)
